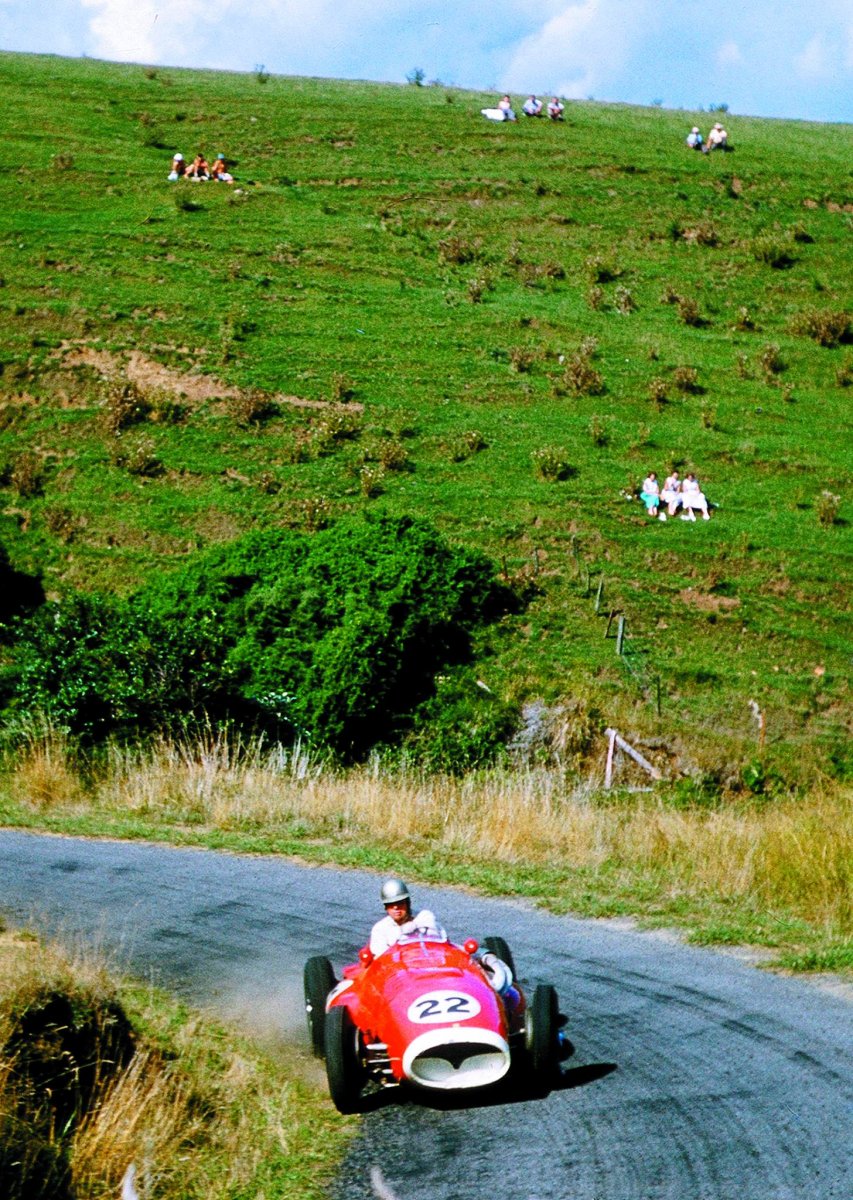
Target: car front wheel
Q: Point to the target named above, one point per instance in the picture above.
(542, 1026)
(319, 981)
(343, 1068)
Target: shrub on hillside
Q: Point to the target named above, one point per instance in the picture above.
(580, 377)
(460, 728)
(19, 592)
(686, 379)
(99, 668)
(776, 249)
(551, 463)
(334, 637)
(827, 507)
(823, 326)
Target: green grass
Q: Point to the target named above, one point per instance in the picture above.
(342, 256)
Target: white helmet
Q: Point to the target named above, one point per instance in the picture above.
(393, 891)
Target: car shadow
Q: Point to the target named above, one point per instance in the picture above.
(513, 1091)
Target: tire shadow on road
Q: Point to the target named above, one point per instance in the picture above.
(516, 1091)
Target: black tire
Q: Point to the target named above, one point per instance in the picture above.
(542, 1026)
(343, 1069)
(319, 981)
(498, 946)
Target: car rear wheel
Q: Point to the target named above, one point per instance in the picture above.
(343, 1068)
(498, 946)
(319, 981)
(542, 1028)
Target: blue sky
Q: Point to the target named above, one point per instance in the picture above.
(772, 58)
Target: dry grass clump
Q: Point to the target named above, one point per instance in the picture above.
(190, 1110)
(46, 773)
(580, 377)
(826, 327)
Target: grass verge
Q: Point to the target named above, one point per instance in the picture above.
(98, 1075)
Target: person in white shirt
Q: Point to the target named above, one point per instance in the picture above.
(532, 107)
(694, 138)
(555, 109)
(692, 497)
(650, 494)
(718, 138)
(671, 494)
(399, 922)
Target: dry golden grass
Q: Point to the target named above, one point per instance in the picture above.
(46, 773)
(144, 1117)
(793, 854)
(196, 1110)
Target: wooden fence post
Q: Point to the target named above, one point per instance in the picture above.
(608, 770)
(620, 633)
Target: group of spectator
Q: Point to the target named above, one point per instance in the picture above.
(554, 109)
(717, 139)
(532, 107)
(676, 493)
(200, 169)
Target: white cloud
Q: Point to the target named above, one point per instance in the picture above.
(139, 30)
(729, 55)
(579, 49)
(813, 62)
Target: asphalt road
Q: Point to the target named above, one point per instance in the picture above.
(696, 1076)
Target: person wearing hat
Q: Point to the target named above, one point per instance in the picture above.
(694, 138)
(398, 921)
(718, 139)
(179, 167)
(219, 170)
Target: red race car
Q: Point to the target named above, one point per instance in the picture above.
(430, 1014)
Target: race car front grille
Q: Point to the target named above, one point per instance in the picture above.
(459, 1067)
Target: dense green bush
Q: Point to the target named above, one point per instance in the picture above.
(19, 592)
(335, 637)
(100, 669)
(461, 727)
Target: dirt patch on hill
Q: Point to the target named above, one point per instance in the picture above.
(150, 376)
(707, 602)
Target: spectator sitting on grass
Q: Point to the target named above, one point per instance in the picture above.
(650, 494)
(718, 139)
(671, 494)
(505, 105)
(692, 498)
(694, 138)
(555, 109)
(532, 107)
(219, 171)
(179, 168)
(198, 168)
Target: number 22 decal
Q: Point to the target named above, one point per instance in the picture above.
(442, 1005)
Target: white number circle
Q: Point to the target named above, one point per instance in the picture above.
(442, 1006)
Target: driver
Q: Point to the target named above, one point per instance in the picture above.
(398, 921)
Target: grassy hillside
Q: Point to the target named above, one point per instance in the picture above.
(402, 304)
